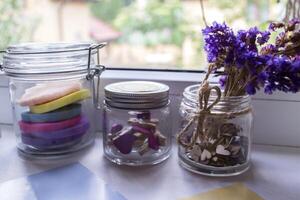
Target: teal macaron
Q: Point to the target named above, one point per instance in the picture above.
(61, 114)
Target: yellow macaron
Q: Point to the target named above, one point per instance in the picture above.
(61, 102)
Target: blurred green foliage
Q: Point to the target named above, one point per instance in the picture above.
(11, 26)
(252, 12)
(156, 22)
(107, 10)
(159, 22)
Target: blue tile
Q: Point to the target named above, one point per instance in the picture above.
(71, 182)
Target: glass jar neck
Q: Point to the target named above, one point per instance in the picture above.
(47, 59)
(226, 104)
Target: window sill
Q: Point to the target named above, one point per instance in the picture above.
(176, 80)
(270, 176)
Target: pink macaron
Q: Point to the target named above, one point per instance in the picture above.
(46, 92)
(47, 127)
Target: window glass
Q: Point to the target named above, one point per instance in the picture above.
(163, 34)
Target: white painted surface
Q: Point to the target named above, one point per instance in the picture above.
(276, 122)
(274, 174)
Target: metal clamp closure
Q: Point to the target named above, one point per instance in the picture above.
(95, 72)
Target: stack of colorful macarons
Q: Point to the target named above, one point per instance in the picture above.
(54, 118)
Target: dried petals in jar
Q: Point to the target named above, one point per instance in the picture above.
(136, 115)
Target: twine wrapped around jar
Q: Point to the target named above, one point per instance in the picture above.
(202, 112)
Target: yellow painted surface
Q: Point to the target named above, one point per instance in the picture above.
(236, 191)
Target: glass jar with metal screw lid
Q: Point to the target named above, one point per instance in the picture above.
(136, 123)
(216, 142)
(52, 91)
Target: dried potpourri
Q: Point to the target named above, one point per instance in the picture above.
(140, 135)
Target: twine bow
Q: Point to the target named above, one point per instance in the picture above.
(203, 109)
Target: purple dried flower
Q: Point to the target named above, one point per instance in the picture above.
(219, 39)
(242, 36)
(268, 89)
(246, 48)
(283, 74)
(248, 68)
(250, 89)
(275, 25)
(262, 77)
(280, 39)
(251, 37)
(263, 38)
(292, 24)
(222, 81)
(268, 49)
(295, 66)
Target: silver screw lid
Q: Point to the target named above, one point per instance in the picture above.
(137, 95)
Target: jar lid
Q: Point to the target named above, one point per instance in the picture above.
(137, 95)
(48, 58)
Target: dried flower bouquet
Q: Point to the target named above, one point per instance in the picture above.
(218, 133)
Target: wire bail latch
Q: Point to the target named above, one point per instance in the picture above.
(95, 72)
